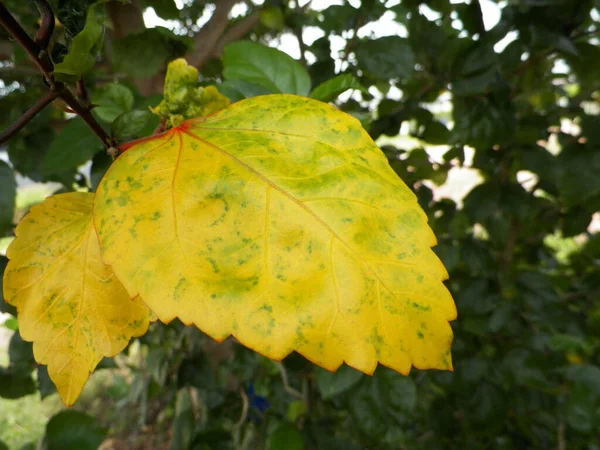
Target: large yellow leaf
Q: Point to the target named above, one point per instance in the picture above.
(68, 301)
(279, 221)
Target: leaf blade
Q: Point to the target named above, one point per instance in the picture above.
(265, 66)
(69, 303)
(245, 218)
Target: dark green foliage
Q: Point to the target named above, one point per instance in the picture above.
(523, 264)
(73, 430)
(145, 53)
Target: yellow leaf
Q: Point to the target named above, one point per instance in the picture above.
(69, 304)
(279, 221)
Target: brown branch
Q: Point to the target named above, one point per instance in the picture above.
(479, 17)
(86, 114)
(509, 248)
(48, 98)
(46, 30)
(42, 59)
(82, 94)
(18, 33)
(298, 33)
(235, 33)
(209, 35)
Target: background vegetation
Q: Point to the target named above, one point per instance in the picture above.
(510, 106)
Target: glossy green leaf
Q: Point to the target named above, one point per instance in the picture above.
(329, 90)
(85, 46)
(72, 147)
(112, 100)
(8, 195)
(133, 125)
(74, 430)
(265, 66)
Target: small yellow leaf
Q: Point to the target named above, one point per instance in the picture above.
(69, 304)
(279, 221)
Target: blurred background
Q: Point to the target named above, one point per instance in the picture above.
(488, 110)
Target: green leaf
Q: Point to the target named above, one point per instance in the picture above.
(145, 53)
(237, 90)
(12, 324)
(45, 384)
(15, 385)
(75, 145)
(20, 353)
(85, 46)
(585, 374)
(112, 100)
(286, 437)
(265, 66)
(272, 18)
(586, 64)
(27, 152)
(3, 446)
(184, 424)
(386, 57)
(8, 195)
(100, 164)
(295, 410)
(331, 384)
(581, 410)
(134, 124)
(579, 180)
(74, 430)
(331, 89)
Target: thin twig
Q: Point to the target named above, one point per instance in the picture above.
(82, 93)
(39, 54)
(46, 26)
(301, 44)
(235, 432)
(86, 115)
(18, 33)
(286, 384)
(479, 19)
(47, 98)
